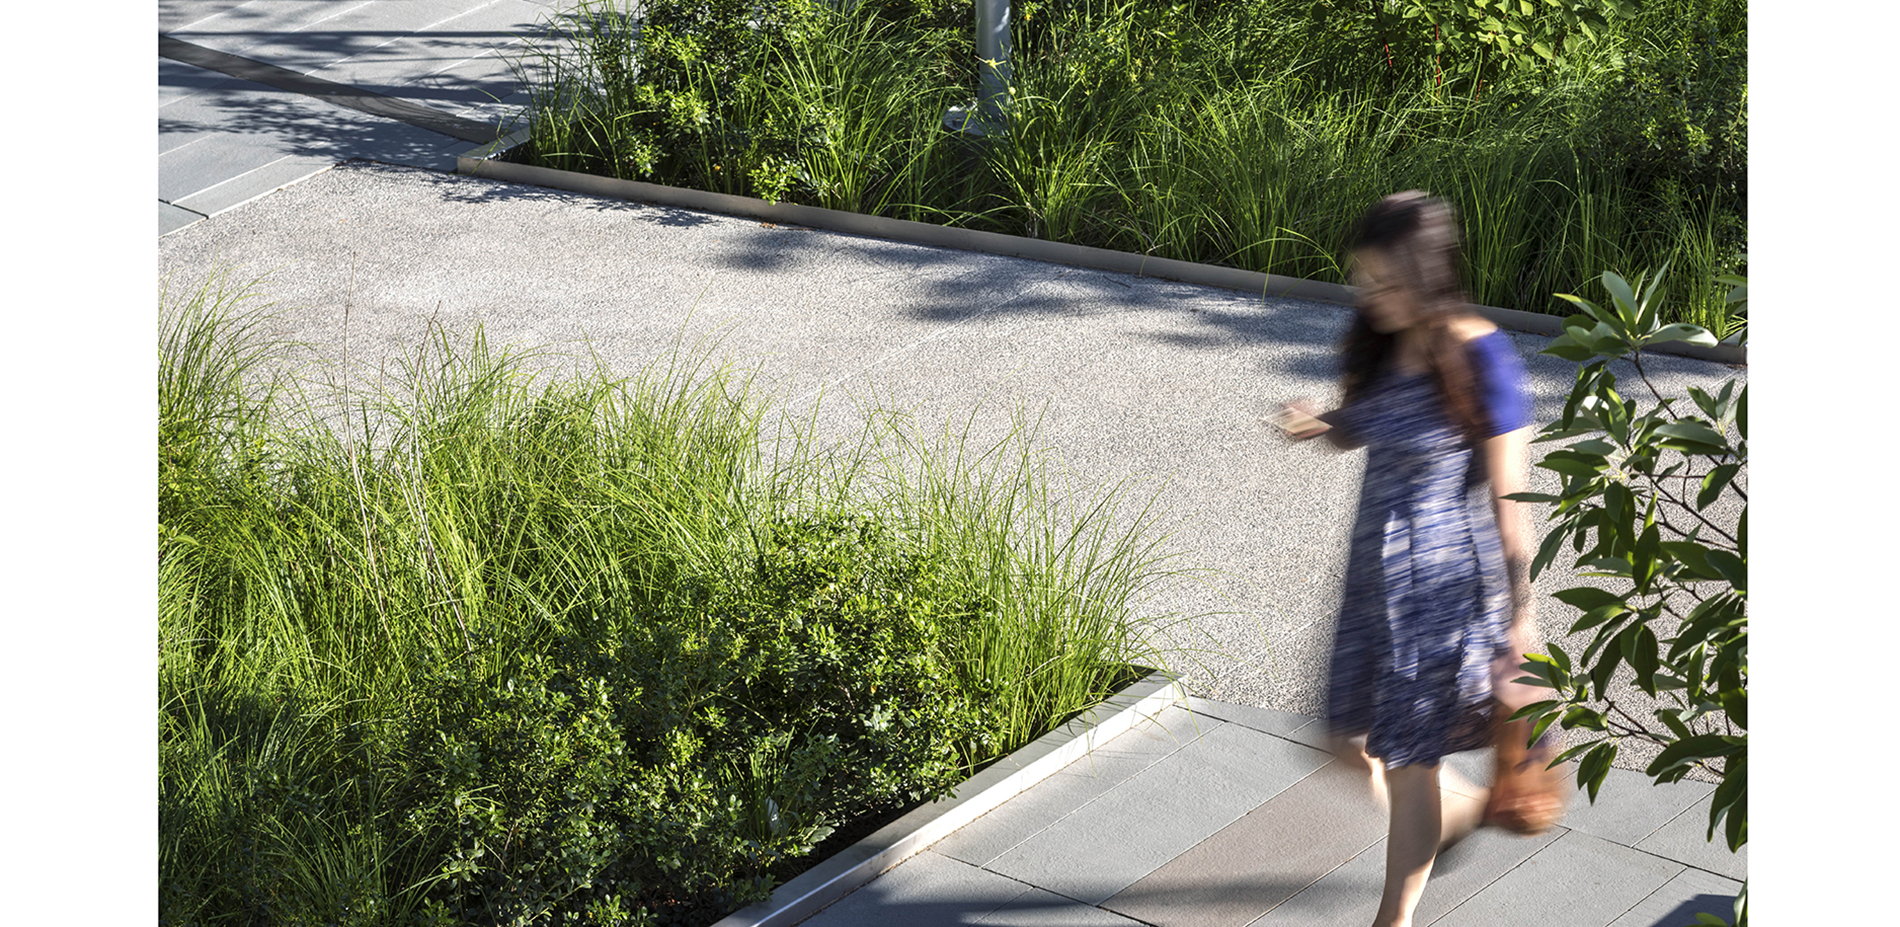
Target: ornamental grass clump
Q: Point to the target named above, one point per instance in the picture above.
(501, 643)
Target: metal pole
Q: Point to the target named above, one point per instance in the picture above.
(991, 112)
(992, 55)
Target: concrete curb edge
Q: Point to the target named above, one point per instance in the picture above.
(899, 840)
(481, 162)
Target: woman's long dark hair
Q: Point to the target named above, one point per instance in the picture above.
(1418, 236)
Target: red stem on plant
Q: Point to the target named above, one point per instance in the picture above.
(1435, 64)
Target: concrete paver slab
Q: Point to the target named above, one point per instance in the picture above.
(1683, 838)
(349, 31)
(177, 14)
(1630, 806)
(178, 80)
(448, 77)
(1577, 881)
(1054, 798)
(240, 28)
(1350, 894)
(1159, 813)
(462, 62)
(1678, 902)
(173, 136)
(207, 162)
(253, 125)
(1037, 908)
(927, 890)
(1273, 852)
(255, 183)
(172, 218)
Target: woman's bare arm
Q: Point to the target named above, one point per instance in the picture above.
(1505, 460)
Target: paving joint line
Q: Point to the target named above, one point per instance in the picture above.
(1031, 886)
(328, 91)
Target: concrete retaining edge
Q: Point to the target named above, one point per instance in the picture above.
(481, 162)
(905, 837)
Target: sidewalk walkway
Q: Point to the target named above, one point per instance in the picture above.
(1216, 815)
(1219, 812)
(256, 95)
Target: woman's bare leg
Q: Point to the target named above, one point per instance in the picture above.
(1351, 751)
(1461, 806)
(1411, 841)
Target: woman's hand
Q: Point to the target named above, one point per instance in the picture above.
(1300, 421)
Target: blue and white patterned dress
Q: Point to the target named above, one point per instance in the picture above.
(1426, 602)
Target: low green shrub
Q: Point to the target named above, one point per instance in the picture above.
(670, 761)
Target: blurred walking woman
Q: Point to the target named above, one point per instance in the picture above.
(1437, 595)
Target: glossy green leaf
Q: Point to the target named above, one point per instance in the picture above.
(1693, 334)
(1655, 283)
(1735, 705)
(1595, 617)
(1571, 752)
(1570, 463)
(1568, 348)
(1547, 552)
(1595, 767)
(1717, 616)
(1713, 484)
(1688, 750)
(1643, 559)
(1605, 635)
(1621, 504)
(1671, 719)
(1620, 292)
(1730, 801)
(1587, 597)
(1535, 709)
(1580, 717)
(1607, 661)
(1641, 652)
(1693, 556)
(1607, 566)
(1733, 569)
(1692, 437)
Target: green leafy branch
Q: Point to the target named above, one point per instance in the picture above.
(1654, 503)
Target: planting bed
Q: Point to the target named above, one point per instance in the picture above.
(1248, 134)
(475, 649)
